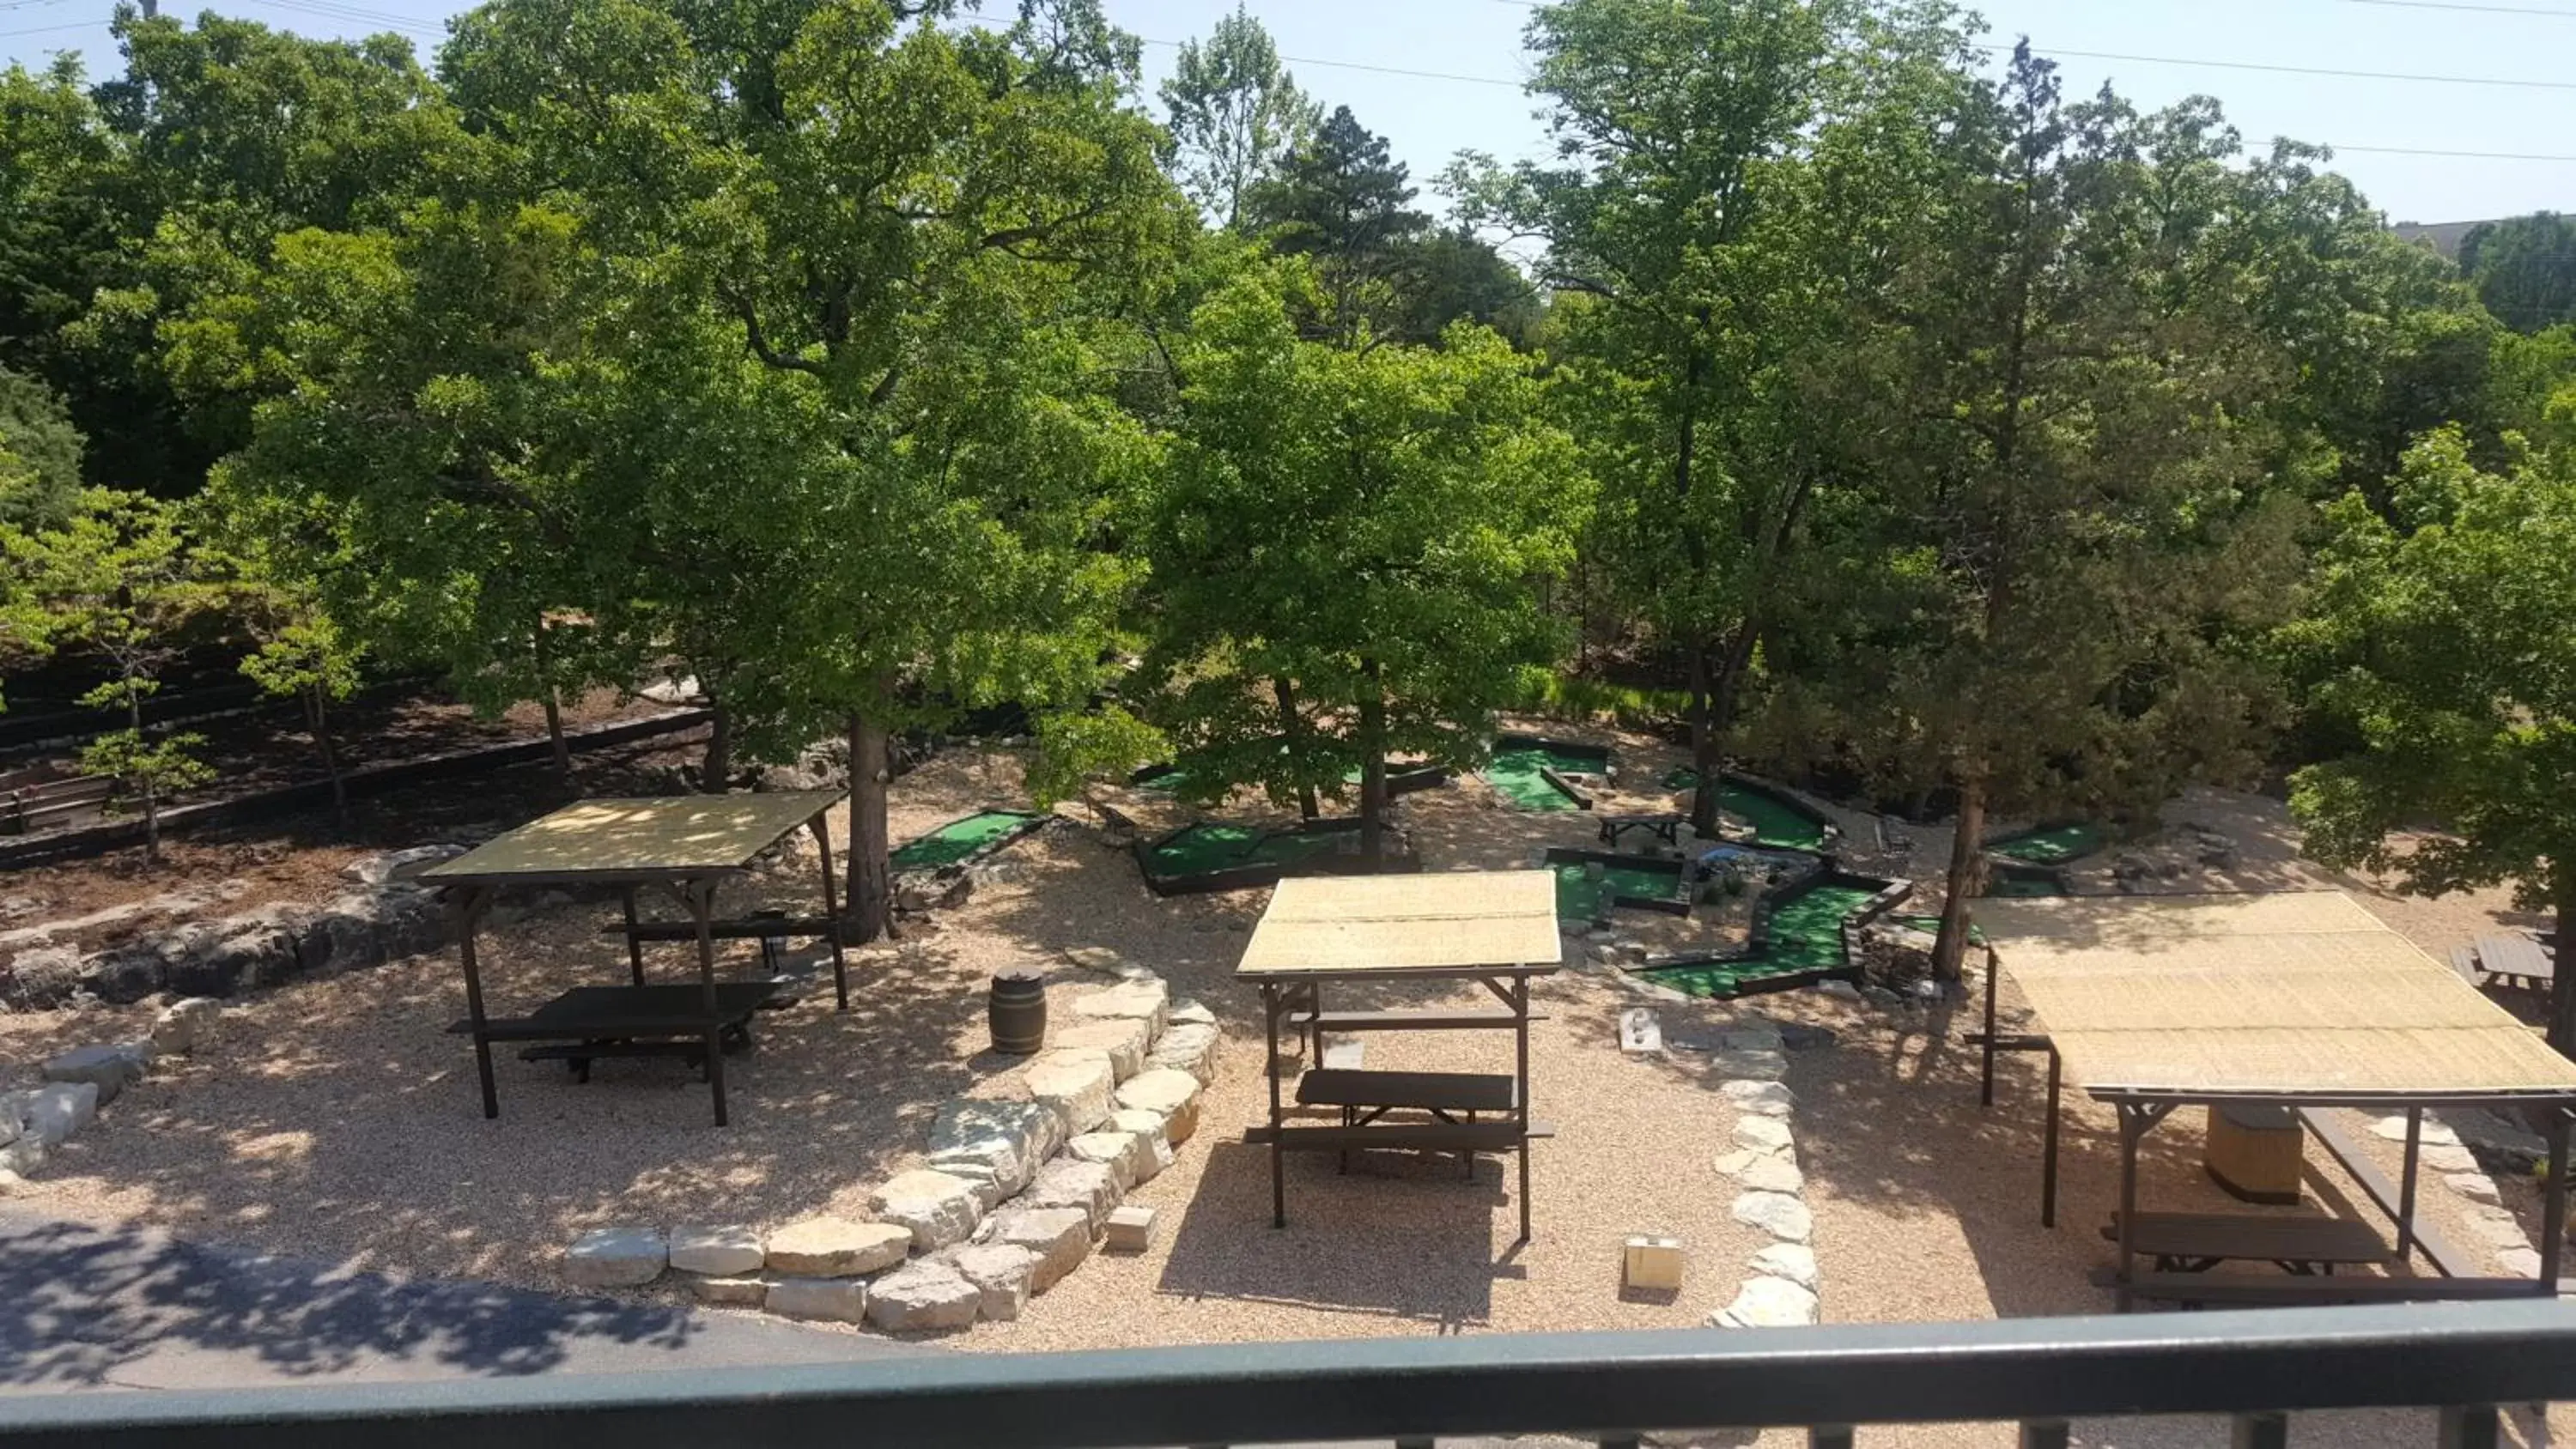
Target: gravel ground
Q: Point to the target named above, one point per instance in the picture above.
(335, 1119)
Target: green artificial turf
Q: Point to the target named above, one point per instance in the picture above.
(1208, 847)
(1806, 935)
(1515, 772)
(1581, 898)
(1774, 821)
(2007, 887)
(958, 839)
(2054, 846)
(1931, 926)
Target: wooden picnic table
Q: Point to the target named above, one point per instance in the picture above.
(1665, 827)
(2197, 1242)
(590, 1022)
(2517, 960)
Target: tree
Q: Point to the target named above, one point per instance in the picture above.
(1235, 115)
(118, 581)
(2524, 269)
(2075, 545)
(1364, 525)
(1343, 203)
(301, 654)
(42, 483)
(907, 227)
(2445, 638)
(1730, 174)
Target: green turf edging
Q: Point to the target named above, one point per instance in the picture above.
(966, 840)
(1640, 882)
(1801, 935)
(1531, 770)
(1207, 855)
(2056, 844)
(1780, 820)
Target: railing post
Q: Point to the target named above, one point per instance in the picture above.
(2261, 1431)
(1830, 1436)
(2471, 1426)
(2044, 1433)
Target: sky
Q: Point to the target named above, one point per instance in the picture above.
(2482, 47)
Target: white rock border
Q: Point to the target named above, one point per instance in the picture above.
(1784, 1286)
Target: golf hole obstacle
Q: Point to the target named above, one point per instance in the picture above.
(1801, 934)
(2033, 862)
(1213, 855)
(1779, 819)
(966, 841)
(1638, 882)
(1537, 773)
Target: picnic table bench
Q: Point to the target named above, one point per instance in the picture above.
(590, 1022)
(1365, 1096)
(2250, 1290)
(2301, 1246)
(2517, 960)
(1665, 827)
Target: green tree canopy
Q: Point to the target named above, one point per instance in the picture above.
(40, 478)
(1234, 113)
(2524, 269)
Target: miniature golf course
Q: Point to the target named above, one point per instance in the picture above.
(967, 839)
(1777, 820)
(1642, 882)
(1800, 940)
(2051, 844)
(1521, 767)
(1212, 855)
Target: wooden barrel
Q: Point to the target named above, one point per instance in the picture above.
(1017, 1011)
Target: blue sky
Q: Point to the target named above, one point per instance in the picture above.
(1428, 120)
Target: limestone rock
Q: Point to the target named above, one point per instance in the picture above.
(1777, 1172)
(1148, 1127)
(1767, 1303)
(1174, 1095)
(2475, 1186)
(922, 1297)
(1190, 1013)
(1000, 1143)
(1105, 962)
(1128, 1155)
(731, 1292)
(1762, 1134)
(1070, 1183)
(1756, 1066)
(2448, 1157)
(180, 1028)
(1759, 1099)
(829, 1248)
(1000, 1273)
(1188, 1047)
(616, 1257)
(2519, 1262)
(24, 1155)
(2498, 1229)
(1131, 1229)
(1731, 1163)
(1639, 1032)
(1145, 998)
(1060, 1237)
(718, 1252)
(378, 869)
(109, 1069)
(841, 1300)
(1795, 1262)
(1123, 1039)
(1776, 1213)
(936, 1207)
(342, 936)
(1076, 1086)
(57, 1111)
(2434, 1134)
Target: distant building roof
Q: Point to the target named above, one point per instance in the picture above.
(2442, 236)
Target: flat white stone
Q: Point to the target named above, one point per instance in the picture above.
(616, 1257)
(999, 1143)
(1128, 1155)
(1131, 1228)
(1077, 1086)
(1750, 1039)
(2434, 1133)
(937, 1208)
(1147, 999)
(1776, 1213)
(2519, 1262)
(832, 1248)
(1762, 1134)
(2446, 1157)
(1768, 1066)
(840, 1300)
(1761, 1099)
(1731, 1163)
(1070, 1183)
(1000, 1272)
(1190, 1013)
(2475, 1186)
(1639, 1032)
(1173, 1095)
(731, 1292)
(719, 1252)
(57, 1110)
(1776, 1172)
(1188, 1047)
(2498, 1229)
(109, 1069)
(1060, 1237)
(1793, 1261)
(1124, 1039)
(1148, 1128)
(924, 1296)
(1767, 1303)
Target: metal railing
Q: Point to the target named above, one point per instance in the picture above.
(2262, 1367)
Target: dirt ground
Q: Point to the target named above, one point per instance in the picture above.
(335, 1118)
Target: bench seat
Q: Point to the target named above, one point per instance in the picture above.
(1423, 1091)
(2193, 1242)
(1407, 1137)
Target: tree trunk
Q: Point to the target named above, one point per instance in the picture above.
(1965, 848)
(554, 708)
(1715, 696)
(2562, 996)
(151, 800)
(719, 758)
(1372, 712)
(319, 710)
(870, 874)
(1703, 747)
(1292, 729)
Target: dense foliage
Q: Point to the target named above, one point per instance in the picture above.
(874, 361)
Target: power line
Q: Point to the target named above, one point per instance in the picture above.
(2385, 75)
(45, 30)
(1487, 80)
(2459, 5)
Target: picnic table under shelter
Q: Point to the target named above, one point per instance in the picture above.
(688, 845)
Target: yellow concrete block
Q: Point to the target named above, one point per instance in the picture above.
(1652, 1264)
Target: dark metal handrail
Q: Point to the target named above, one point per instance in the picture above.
(1607, 1386)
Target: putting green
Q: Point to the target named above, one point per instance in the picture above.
(1806, 935)
(1931, 926)
(2007, 887)
(1515, 772)
(1775, 822)
(2055, 845)
(1206, 848)
(958, 839)
(1581, 898)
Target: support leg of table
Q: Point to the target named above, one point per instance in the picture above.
(2553, 1204)
(1270, 1065)
(634, 943)
(466, 910)
(2406, 1182)
(832, 916)
(1521, 1096)
(1986, 1077)
(701, 895)
(2048, 1146)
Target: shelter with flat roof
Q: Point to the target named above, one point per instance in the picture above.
(2298, 999)
(688, 845)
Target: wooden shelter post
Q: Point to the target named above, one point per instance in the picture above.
(832, 916)
(2553, 1203)
(634, 940)
(1521, 1094)
(1986, 1078)
(2048, 1146)
(1270, 1069)
(2406, 1182)
(465, 906)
